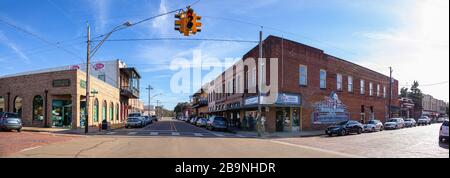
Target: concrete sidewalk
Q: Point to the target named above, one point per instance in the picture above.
(77, 131)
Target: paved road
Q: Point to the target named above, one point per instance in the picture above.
(421, 141)
(169, 127)
(171, 139)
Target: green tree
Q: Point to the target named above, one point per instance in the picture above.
(404, 92)
(416, 95)
(180, 106)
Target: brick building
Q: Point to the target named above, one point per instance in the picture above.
(57, 97)
(314, 89)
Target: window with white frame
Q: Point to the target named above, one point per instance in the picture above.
(238, 84)
(378, 90)
(254, 77)
(339, 82)
(323, 79)
(303, 75)
(362, 88)
(350, 84)
(384, 91)
(371, 89)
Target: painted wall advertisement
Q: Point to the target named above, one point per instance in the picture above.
(329, 111)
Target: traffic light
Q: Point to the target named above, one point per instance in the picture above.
(180, 24)
(197, 25)
(188, 22)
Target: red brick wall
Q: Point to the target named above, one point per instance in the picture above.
(295, 54)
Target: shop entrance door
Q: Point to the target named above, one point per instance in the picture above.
(61, 113)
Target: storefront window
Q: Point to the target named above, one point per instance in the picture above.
(111, 111)
(2, 104)
(38, 108)
(61, 113)
(18, 106)
(117, 112)
(104, 111)
(323, 79)
(95, 111)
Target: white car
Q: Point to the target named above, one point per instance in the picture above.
(424, 120)
(443, 133)
(373, 125)
(394, 123)
(441, 119)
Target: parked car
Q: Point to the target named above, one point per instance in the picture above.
(410, 122)
(441, 120)
(443, 133)
(373, 125)
(344, 128)
(147, 120)
(155, 118)
(216, 122)
(394, 123)
(10, 121)
(424, 120)
(201, 122)
(194, 120)
(134, 122)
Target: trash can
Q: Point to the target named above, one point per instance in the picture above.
(104, 125)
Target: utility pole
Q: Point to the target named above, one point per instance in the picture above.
(259, 119)
(157, 104)
(88, 97)
(390, 91)
(149, 88)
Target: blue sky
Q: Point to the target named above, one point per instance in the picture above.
(408, 35)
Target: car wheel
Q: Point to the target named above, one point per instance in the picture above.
(359, 131)
(343, 132)
(19, 130)
(381, 128)
(330, 134)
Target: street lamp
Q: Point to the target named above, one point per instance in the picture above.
(91, 53)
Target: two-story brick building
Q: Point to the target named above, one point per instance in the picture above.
(314, 89)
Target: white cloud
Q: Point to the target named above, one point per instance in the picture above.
(417, 50)
(160, 24)
(101, 9)
(14, 47)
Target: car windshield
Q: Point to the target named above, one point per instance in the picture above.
(134, 115)
(342, 123)
(132, 120)
(372, 122)
(11, 115)
(392, 120)
(219, 119)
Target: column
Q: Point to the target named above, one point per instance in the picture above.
(75, 111)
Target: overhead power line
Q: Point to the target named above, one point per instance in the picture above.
(39, 38)
(182, 39)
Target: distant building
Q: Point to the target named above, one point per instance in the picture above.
(432, 106)
(135, 106)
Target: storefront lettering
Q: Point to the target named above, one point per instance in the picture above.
(61, 83)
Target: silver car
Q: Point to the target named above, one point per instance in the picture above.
(10, 121)
(394, 123)
(201, 122)
(134, 122)
(373, 126)
(410, 122)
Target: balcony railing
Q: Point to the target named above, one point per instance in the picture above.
(129, 91)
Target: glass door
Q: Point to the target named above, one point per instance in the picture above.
(295, 120)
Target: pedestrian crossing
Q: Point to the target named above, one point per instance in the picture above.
(176, 134)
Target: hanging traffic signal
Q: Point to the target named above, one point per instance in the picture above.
(197, 24)
(180, 24)
(188, 22)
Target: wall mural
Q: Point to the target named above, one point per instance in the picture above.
(330, 110)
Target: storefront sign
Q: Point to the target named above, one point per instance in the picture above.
(61, 83)
(82, 83)
(330, 111)
(251, 101)
(99, 66)
(288, 99)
